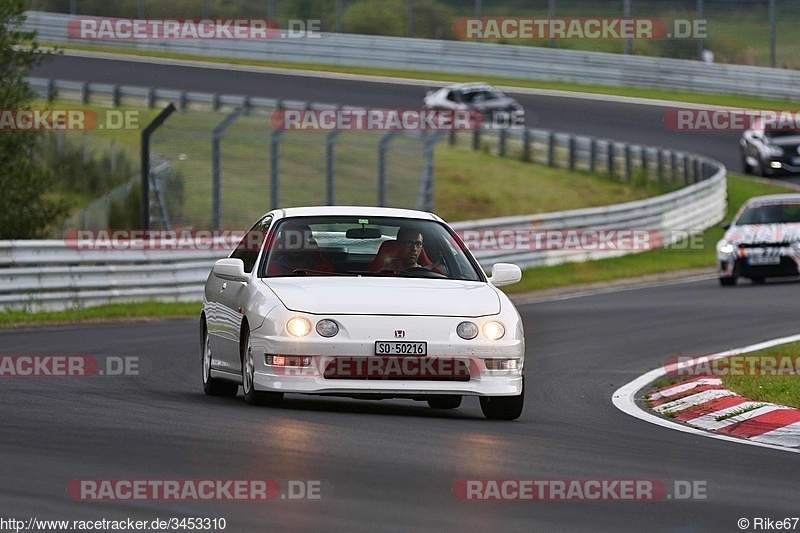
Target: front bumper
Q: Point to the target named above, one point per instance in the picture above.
(747, 263)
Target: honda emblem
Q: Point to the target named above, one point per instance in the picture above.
(399, 333)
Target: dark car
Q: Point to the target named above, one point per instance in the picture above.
(497, 108)
(769, 151)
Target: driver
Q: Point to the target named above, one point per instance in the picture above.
(410, 246)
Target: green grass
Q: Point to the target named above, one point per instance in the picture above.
(779, 389)
(438, 79)
(655, 262)
(107, 312)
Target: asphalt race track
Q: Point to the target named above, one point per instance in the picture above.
(392, 465)
(605, 119)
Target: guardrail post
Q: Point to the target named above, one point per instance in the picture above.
(216, 165)
(382, 146)
(610, 155)
(215, 102)
(673, 163)
(526, 145)
(182, 101)
(147, 132)
(476, 139)
(501, 145)
(551, 149)
(116, 96)
(686, 169)
(572, 152)
(592, 154)
(696, 169)
(274, 145)
(51, 90)
(85, 93)
(113, 156)
(660, 164)
(151, 98)
(451, 138)
(85, 147)
(330, 161)
(645, 162)
(628, 169)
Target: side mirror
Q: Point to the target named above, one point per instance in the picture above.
(505, 274)
(726, 225)
(230, 269)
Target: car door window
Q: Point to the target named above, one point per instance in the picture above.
(250, 245)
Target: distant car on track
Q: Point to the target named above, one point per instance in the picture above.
(362, 302)
(496, 107)
(770, 151)
(762, 241)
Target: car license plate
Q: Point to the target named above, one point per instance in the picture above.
(764, 260)
(401, 348)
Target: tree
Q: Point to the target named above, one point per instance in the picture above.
(26, 209)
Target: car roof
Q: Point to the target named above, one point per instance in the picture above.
(360, 211)
(773, 199)
(471, 85)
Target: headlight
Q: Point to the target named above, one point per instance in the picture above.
(493, 330)
(467, 330)
(726, 248)
(773, 151)
(327, 328)
(298, 326)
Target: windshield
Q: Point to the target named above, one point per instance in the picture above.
(770, 214)
(775, 134)
(373, 246)
(481, 95)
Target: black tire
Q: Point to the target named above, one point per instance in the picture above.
(503, 407)
(728, 282)
(445, 402)
(759, 170)
(213, 386)
(252, 396)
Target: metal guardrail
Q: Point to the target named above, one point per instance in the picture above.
(526, 62)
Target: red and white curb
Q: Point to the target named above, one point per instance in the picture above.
(705, 405)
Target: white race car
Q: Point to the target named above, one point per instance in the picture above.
(362, 302)
(496, 108)
(762, 241)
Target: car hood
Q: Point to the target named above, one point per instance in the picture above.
(385, 296)
(757, 233)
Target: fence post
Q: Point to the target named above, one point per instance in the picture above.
(85, 146)
(113, 156)
(645, 162)
(592, 154)
(660, 163)
(274, 145)
(451, 138)
(673, 162)
(147, 132)
(425, 199)
(501, 145)
(151, 97)
(216, 165)
(382, 146)
(330, 161)
(116, 96)
(85, 93)
(476, 139)
(551, 149)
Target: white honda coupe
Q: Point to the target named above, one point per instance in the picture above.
(361, 302)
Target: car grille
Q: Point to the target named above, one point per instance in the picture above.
(398, 368)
